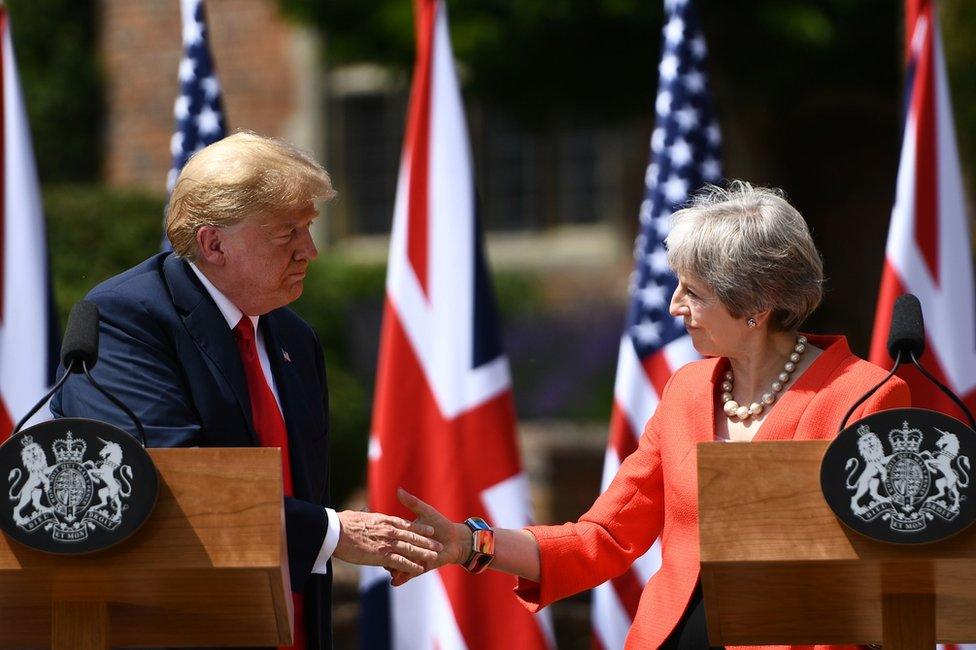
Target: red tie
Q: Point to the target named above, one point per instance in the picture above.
(271, 431)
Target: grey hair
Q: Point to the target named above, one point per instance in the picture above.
(752, 248)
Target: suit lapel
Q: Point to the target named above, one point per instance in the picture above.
(289, 387)
(208, 328)
(784, 419)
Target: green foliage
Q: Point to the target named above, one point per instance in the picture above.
(54, 41)
(958, 19)
(94, 233)
(528, 57)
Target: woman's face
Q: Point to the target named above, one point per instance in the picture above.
(714, 331)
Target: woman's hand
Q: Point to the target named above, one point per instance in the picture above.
(455, 538)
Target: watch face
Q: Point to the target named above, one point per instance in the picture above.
(483, 542)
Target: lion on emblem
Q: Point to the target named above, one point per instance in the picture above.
(949, 484)
(871, 450)
(103, 471)
(38, 473)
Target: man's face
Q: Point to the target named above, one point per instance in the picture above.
(266, 258)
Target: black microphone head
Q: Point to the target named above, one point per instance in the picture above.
(80, 341)
(907, 333)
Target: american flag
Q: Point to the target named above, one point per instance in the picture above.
(444, 415)
(928, 252)
(28, 328)
(685, 154)
(199, 109)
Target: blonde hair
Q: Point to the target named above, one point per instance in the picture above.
(752, 248)
(239, 177)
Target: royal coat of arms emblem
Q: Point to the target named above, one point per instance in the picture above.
(899, 487)
(100, 487)
(62, 498)
(901, 475)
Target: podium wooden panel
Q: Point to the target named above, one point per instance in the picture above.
(778, 567)
(209, 566)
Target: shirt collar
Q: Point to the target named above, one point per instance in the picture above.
(228, 309)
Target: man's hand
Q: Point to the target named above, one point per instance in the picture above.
(455, 538)
(387, 541)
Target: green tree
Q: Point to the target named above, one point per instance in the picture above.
(54, 41)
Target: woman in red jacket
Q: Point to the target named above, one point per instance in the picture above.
(748, 276)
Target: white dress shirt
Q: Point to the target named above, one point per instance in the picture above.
(233, 316)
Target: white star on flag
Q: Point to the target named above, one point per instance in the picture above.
(668, 67)
(681, 152)
(675, 189)
(687, 118)
(694, 81)
(674, 30)
(187, 70)
(208, 121)
(647, 331)
(663, 103)
(658, 260)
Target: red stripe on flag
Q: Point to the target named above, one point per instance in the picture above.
(628, 588)
(891, 288)
(449, 463)
(6, 422)
(658, 371)
(417, 142)
(926, 157)
(622, 437)
(912, 9)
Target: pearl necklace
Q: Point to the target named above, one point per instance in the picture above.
(743, 413)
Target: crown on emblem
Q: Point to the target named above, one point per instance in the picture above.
(905, 439)
(69, 450)
(863, 430)
(27, 441)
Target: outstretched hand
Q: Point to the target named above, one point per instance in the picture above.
(449, 534)
(383, 540)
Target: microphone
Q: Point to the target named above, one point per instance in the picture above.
(80, 342)
(906, 341)
(79, 353)
(907, 334)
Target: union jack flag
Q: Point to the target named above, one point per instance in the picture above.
(928, 251)
(443, 417)
(685, 154)
(199, 109)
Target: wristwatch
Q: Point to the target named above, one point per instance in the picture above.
(482, 545)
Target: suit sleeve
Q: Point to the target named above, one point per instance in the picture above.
(619, 527)
(137, 364)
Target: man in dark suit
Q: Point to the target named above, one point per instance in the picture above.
(200, 345)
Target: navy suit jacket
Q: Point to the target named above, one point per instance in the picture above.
(165, 350)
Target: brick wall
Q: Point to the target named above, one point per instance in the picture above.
(140, 47)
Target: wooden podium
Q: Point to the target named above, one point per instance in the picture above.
(778, 567)
(209, 567)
